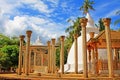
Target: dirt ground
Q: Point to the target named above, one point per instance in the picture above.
(14, 76)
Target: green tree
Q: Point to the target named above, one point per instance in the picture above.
(100, 25)
(4, 40)
(10, 54)
(5, 60)
(118, 20)
(87, 5)
(75, 28)
(15, 40)
(58, 55)
(9, 48)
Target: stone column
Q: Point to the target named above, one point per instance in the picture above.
(91, 52)
(93, 60)
(96, 58)
(91, 34)
(62, 54)
(76, 53)
(115, 54)
(115, 58)
(83, 22)
(20, 55)
(35, 58)
(48, 43)
(42, 56)
(28, 33)
(51, 59)
(23, 61)
(53, 56)
(29, 62)
(106, 22)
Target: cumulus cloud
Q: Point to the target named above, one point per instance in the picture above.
(9, 7)
(45, 28)
(12, 23)
(15, 26)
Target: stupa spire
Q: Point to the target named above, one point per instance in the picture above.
(90, 27)
(38, 41)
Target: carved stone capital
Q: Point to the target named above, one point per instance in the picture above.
(62, 38)
(48, 43)
(53, 41)
(28, 32)
(22, 37)
(91, 34)
(106, 21)
(83, 22)
(75, 36)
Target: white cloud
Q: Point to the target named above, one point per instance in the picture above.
(54, 2)
(8, 7)
(15, 26)
(46, 28)
(38, 5)
(111, 13)
(43, 26)
(11, 7)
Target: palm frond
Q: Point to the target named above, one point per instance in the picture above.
(116, 22)
(118, 12)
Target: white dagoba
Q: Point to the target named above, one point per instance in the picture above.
(70, 65)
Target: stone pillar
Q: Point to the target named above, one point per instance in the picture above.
(96, 58)
(106, 22)
(76, 53)
(48, 43)
(29, 62)
(62, 54)
(20, 55)
(115, 58)
(53, 56)
(42, 56)
(93, 60)
(91, 34)
(23, 61)
(115, 54)
(91, 52)
(51, 59)
(83, 22)
(28, 33)
(35, 58)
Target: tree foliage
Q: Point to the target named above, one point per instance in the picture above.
(58, 53)
(100, 25)
(75, 28)
(118, 20)
(8, 51)
(87, 5)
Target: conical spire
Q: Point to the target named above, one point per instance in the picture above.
(90, 25)
(90, 22)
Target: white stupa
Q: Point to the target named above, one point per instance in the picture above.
(70, 65)
(38, 41)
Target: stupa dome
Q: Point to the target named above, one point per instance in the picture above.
(38, 41)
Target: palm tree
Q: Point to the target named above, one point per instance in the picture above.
(75, 28)
(87, 5)
(118, 20)
(100, 25)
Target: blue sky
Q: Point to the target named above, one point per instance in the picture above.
(48, 18)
